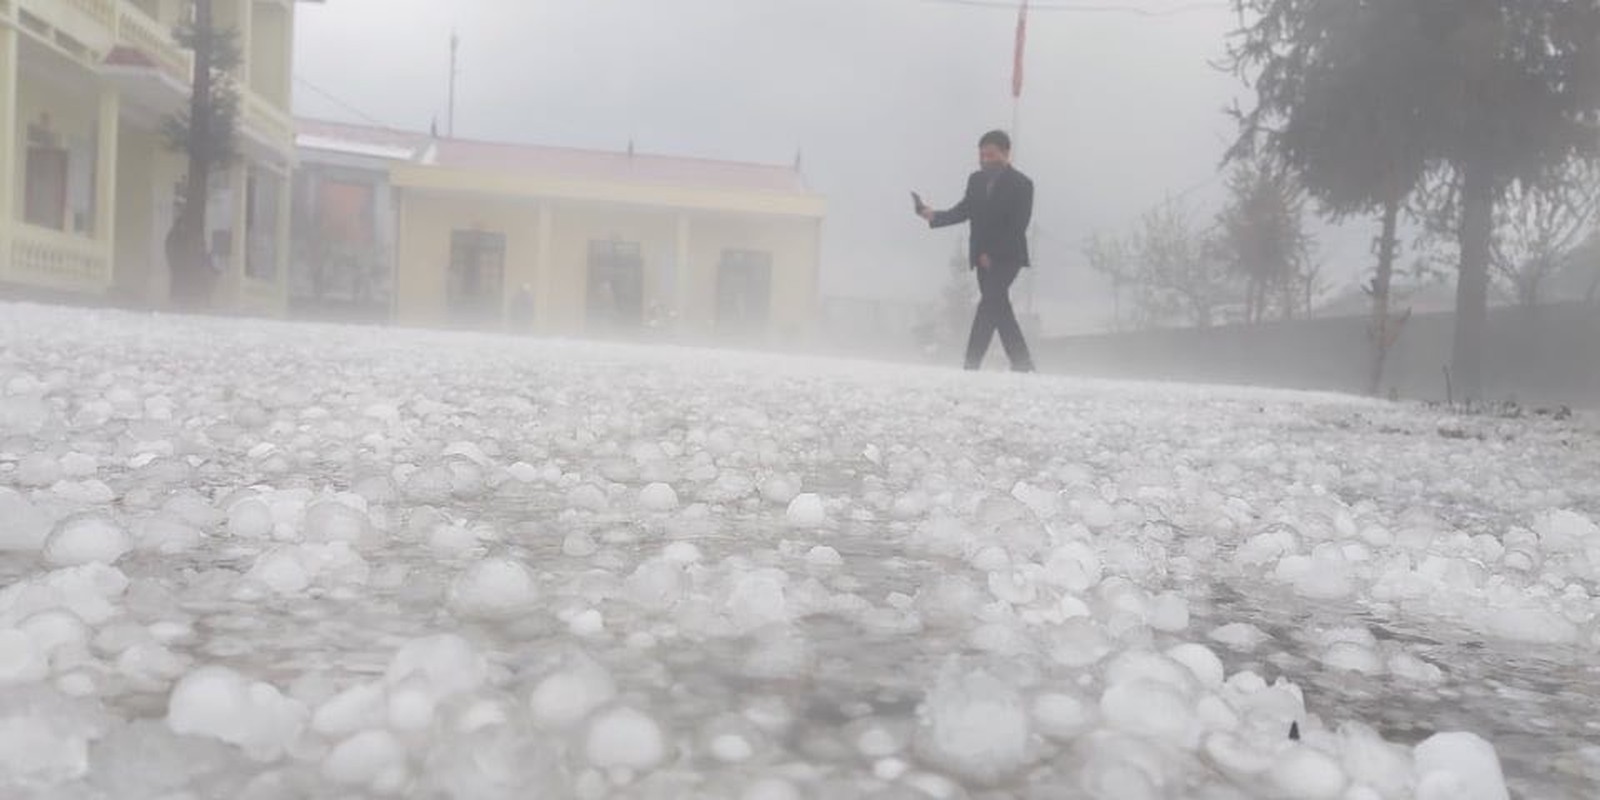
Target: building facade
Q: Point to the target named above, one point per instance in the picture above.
(344, 215)
(92, 187)
(582, 243)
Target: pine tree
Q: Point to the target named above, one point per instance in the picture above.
(1262, 234)
(1334, 104)
(1366, 99)
(206, 133)
(1112, 257)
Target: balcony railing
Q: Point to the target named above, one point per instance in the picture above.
(137, 30)
(268, 120)
(43, 257)
(100, 24)
(101, 11)
(89, 23)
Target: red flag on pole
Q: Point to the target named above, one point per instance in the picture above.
(1022, 41)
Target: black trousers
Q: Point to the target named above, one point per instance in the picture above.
(996, 315)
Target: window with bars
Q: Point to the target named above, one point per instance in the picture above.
(744, 291)
(616, 285)
(476, 282)
(261, 225)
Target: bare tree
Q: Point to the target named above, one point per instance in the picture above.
(1113, 257)
(1540, 228)
(1180, 269)
(1312, 284)
(1592, 294)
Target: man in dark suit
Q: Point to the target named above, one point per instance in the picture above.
(999, 204)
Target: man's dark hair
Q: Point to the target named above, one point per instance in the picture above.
(997, 138)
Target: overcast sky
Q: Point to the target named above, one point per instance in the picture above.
(882, 96)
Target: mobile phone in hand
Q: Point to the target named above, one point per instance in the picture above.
(916, 203)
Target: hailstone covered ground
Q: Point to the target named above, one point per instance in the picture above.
(257, 560)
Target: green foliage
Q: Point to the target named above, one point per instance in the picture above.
(218, 146)
(1262, 235)
(1366, 100)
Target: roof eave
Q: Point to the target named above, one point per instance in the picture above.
(791, 204)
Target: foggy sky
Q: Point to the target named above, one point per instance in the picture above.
(882, 96)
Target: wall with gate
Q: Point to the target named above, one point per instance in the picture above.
(1543, 356)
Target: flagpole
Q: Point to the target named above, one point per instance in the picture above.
(1016, 134)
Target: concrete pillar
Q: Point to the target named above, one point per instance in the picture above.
(398, 260)
(288, 57)
(813, 311)
(284, 232)
(8, 142)
(544, 270)
(105, 179)
(244, 12)
(685, 276)
(229, 294)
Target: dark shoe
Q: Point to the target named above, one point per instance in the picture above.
(1023, 368)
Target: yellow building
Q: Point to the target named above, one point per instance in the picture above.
(90, 184)
(591, 243)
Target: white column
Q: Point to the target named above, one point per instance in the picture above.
(288, 58)
(544, 270)
(397, 260)
(244, 12)
(8, 142)
(684, 272)
(230, 284)
(285, 209)
(813, 319)
(105, 178)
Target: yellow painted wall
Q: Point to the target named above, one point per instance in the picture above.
(793, 243)
(9, 164)
(574, 226)
(231, 15)
(166, 11)
(561, 286)
(269, 69)
(151, 8)
(426, 223)
(145, 171)
(139, 266)
(662, 196)
(72, 106)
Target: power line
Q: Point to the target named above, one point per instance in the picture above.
(332, 98)
(1179, 197)
(1081, 8)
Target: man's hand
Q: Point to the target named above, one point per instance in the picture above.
(983, 261)
(925, 212)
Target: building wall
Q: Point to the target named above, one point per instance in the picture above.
(10, 44)
(269, 58)
(116, 243)
(341, 292)
(794, 244)
(71, 103)
(1546, 355)
(573, 226)
(426, 223)
(147, 174)
(678, 274)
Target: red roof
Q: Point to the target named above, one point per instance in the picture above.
(121, 56)
(361, 134)
(566, 162)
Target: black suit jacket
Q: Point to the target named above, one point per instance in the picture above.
(999, 212)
